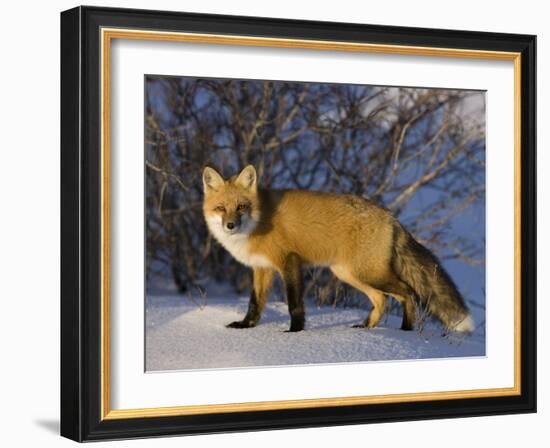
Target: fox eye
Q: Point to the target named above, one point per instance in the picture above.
(242, 207)
(220, 208)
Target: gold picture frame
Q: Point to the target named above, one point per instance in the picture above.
(105, 26)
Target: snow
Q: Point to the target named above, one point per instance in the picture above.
(184, 332)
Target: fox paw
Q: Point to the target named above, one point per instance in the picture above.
(293, 330)
(240, 324)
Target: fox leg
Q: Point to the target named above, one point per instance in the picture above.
(292, 276)
(376, 297)
(378, 300)
(263, 278)
(409, 312)
(395, 287)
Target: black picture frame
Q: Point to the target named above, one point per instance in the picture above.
(81, 415)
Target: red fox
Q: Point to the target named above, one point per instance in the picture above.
(279, 231)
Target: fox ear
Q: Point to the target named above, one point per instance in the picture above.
(247, 178)
(211, 179)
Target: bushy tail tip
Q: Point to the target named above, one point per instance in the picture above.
(466, 325)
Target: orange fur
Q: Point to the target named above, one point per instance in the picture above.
(280, 228)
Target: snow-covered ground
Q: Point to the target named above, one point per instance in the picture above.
(190, 333)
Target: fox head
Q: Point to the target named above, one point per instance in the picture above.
(231, 206)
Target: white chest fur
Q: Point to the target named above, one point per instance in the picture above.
(238, 246)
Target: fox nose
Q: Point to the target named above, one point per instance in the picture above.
(230, 225)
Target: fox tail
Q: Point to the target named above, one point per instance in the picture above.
(434, 288)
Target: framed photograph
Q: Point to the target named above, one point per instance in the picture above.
(273, 223)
